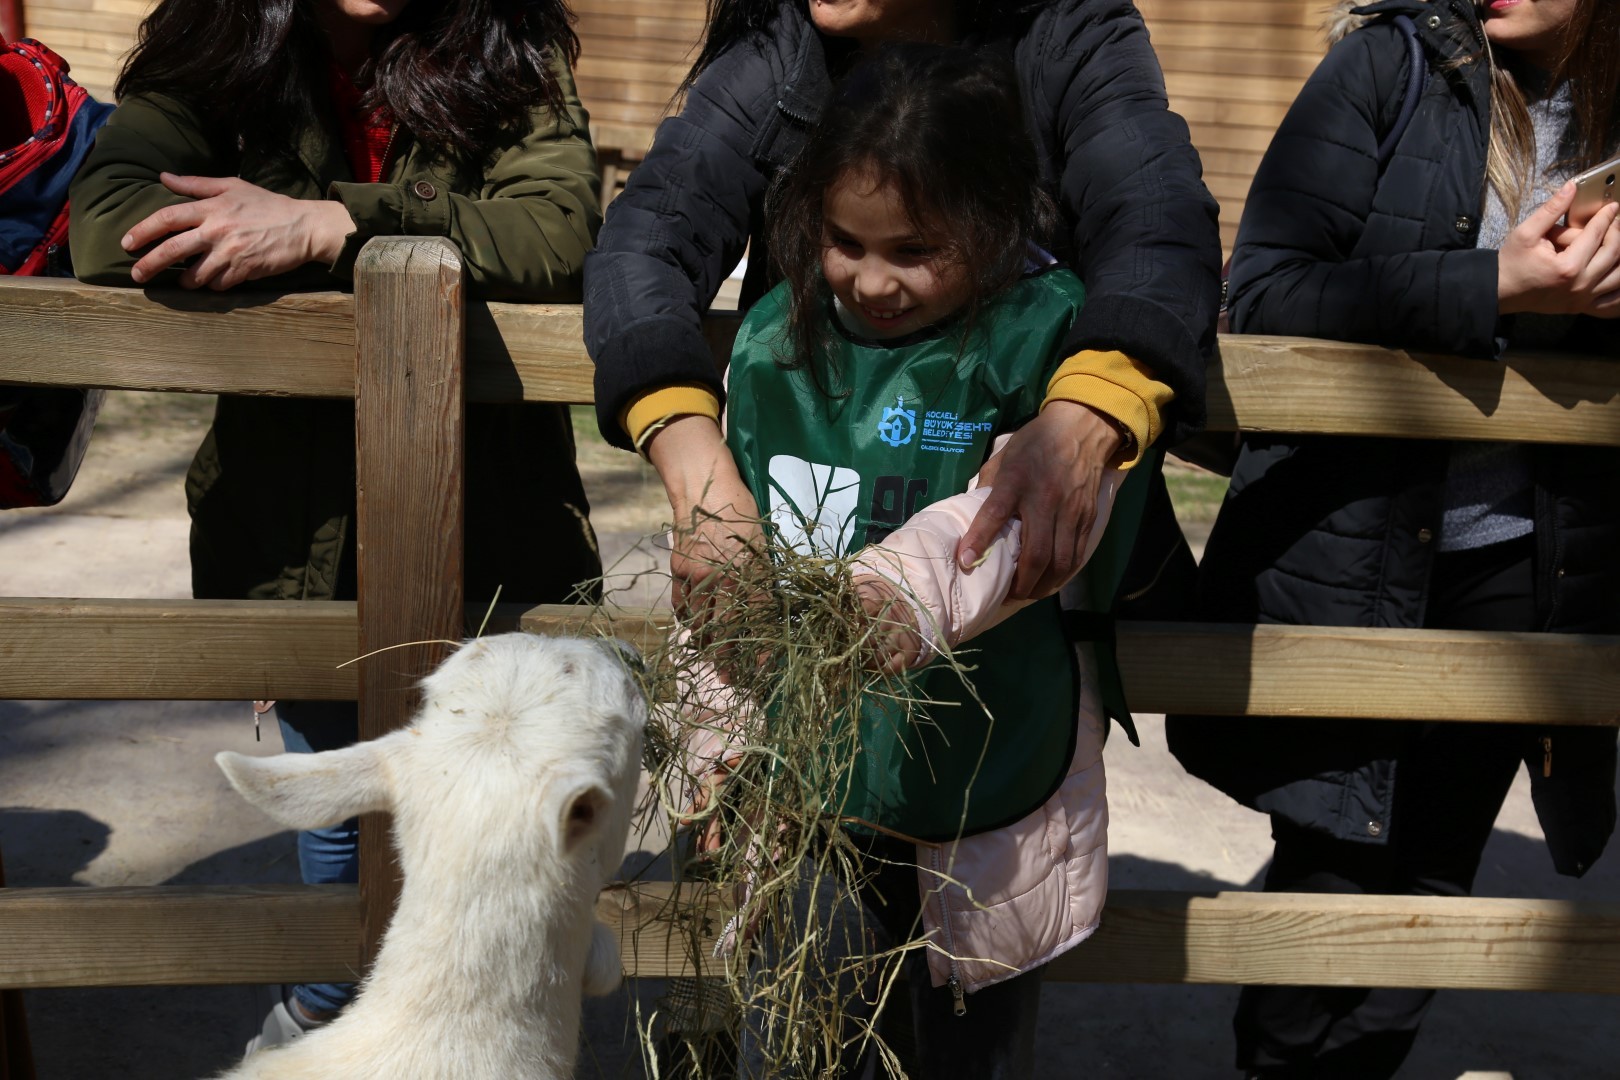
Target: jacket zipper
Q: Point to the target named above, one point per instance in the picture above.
(782, 105)
(388, 151)
(958, 996)
(1546, 755)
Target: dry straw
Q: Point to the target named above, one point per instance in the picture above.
(750, 771)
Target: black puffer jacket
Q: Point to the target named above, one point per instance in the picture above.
(1339, 531)
(1142, 226)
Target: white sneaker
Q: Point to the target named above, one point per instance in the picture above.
(283, 1020)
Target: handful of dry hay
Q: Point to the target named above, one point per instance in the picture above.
(752, 768)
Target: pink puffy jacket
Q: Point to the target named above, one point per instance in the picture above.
(997, 903)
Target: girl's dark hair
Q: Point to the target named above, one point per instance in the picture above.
(730, 21)
(945, 127)
(458, 75)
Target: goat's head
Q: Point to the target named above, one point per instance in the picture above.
(522, 762)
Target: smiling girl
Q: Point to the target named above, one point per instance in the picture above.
(263, 142)
(916, 328)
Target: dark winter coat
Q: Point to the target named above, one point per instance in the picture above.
(1340, 531)
(1143, 237)
(272, 489)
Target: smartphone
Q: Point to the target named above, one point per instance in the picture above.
(1593, 189)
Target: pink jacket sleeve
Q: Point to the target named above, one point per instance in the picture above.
(953, 605)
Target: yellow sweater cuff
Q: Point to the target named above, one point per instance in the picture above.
(1118, 387)
(643, 416)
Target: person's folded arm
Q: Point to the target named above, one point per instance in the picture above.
(671, 237)
(118, 185)
(1145, 240)
(524, 234)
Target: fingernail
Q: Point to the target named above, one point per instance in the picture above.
(127, 242)
(137, 276)
(970, 559)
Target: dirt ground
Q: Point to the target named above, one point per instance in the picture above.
(125, 793)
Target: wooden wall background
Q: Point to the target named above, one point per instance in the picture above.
(1231, 66)
(91, 35)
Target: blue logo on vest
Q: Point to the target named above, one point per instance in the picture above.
(898, 425)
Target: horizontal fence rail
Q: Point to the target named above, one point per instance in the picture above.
(68, 334)
(237, 649)
(211, 935)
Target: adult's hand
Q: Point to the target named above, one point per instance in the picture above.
(716, 518)
(236, 232)
(1552, 269)
(1047, 475)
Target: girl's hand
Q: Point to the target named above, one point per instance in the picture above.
(1550, 269)
(716, 518)
(899, 641)
(236, 232)
(1048, 476)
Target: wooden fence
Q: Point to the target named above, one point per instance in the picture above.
(409, 348)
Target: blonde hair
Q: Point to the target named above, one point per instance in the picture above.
(1590, 61)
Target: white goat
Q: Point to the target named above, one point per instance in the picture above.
(511, 793)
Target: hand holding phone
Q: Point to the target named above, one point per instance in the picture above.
(1593, 189)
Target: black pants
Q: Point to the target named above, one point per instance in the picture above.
(1450, 781)
(993, 1039)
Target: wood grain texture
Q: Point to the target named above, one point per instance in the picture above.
(1388, 674)
(178, 935)
(1280, 939)
(232, 650)
(68, 334)
(634, 54)
(410, 421)
(1309, 385)
(1315, 671)
(168, 936)
(189, 650)
(64, 333)
(204, 650)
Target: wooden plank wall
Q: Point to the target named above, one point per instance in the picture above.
(91, 35)
(633, 55)
(1232, 68)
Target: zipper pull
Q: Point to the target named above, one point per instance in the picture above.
(259, 709)
(1546, 755)
(960, 1006)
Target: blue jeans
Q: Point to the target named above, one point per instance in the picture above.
(994, 1039)
(331, 855)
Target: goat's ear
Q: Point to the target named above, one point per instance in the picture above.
(581, 810)
(307, 791)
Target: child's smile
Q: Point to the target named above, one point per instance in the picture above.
(892, 275)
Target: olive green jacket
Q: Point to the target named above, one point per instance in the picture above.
(272, 488)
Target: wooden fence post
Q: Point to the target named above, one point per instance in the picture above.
(410, 364)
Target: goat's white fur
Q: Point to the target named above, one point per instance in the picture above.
(511, 793)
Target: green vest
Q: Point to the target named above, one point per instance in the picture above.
(910, 424)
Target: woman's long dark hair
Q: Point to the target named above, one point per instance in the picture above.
(730, 21)
(458, 75)
(945, 126)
